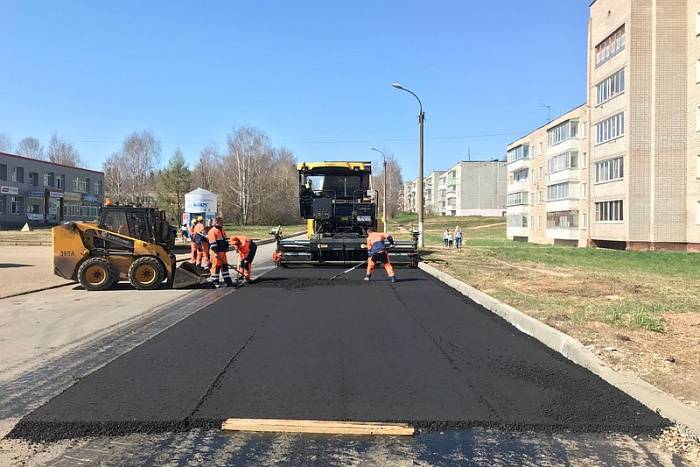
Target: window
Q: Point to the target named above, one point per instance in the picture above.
(2, 204)
(520, 175)
(515, 199)
(562, 132)
(34, 209)
(517, 220)
(584, 190)
(610, 46)
(48, 180)
(610, 128)
(34, 178)
(519, 153)
(80, 185)
(539, 197)
(562, 220)
(18, 174)
(584, 160)
(609, 170)
(558, 191)
(532, 199)
(584, 220)
(540, 174)
(3, 172)
(610, 87)
(566, 160)
(16, 204)
(59, 181)
(609, 211)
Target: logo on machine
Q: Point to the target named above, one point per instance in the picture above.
(108, 237)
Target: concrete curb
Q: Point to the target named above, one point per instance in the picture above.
(686, 417)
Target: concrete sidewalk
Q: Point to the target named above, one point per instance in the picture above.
(26, 268)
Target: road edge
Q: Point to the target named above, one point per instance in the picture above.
(686, 417)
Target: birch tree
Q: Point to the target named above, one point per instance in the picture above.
(115, 177)
(61, 151)
(30, 147)
(141, 155)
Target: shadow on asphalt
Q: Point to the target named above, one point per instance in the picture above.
(13, 265)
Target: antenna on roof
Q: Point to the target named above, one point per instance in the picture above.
(469, 153)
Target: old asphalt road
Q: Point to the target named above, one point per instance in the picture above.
(295, 345)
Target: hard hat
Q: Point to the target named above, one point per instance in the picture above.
(200, 218)
(108, 202)
(194, 221)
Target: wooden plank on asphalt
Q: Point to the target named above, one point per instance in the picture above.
(318, 427)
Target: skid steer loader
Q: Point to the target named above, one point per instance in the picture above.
(339, 205)
(126, 243)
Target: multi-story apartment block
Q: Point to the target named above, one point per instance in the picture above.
(548, 182)
(636, 183)
(470, 188)
(41, 192)
(409, 196)
(644, 98)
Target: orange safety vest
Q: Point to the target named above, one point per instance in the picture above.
(375, 241)
(242, 244)
(217, 236)
(200, 231)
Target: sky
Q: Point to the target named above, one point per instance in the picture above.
(314, 75)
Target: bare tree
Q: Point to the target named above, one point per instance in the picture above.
(207, 172)
(30, 147)
(394, 184)
(63, 152)
(5, 143)
(115, 171)
(244, 171)
(141, 154)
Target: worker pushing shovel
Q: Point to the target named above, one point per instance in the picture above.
(377, 253)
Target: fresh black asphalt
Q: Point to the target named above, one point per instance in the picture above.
(298, 346)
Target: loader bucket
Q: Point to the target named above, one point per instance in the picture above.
(187, 276)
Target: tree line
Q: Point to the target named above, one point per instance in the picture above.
(58, 150)
(256, 182)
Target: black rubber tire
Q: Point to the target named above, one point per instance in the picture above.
(146, 273)
(88, 274)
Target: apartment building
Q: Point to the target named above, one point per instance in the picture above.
(469, 188)
(644, 98)
(45, 193)
(548, 182)
(636, 183)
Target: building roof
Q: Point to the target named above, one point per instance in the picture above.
(551, 122)
(54, 164)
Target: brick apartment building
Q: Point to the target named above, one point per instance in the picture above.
(636, 183)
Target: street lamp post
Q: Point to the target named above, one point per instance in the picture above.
(384, 196)
(419, 188)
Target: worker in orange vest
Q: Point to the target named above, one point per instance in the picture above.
(377, 253)
(200, 238)
(219, 243)
(193, 244)
(246, 249)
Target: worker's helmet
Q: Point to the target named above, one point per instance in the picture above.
(218, 220)
(194, 221)
(108, 202)
(200, 219)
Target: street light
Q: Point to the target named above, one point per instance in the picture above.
(419, 188)
(384, 197)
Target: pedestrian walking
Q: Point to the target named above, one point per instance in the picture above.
(458, 238)
(446, 238)
(184, 232)
(449, 239)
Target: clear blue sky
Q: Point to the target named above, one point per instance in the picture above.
(305, 72)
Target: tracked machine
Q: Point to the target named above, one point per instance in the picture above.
(338, 203)
(127, 243)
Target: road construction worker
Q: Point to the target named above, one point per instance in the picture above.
(200, 239)
(377, 253)
(193, 244)
(219, 243)
(246, 249)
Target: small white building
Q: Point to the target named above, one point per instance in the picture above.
(200, 202)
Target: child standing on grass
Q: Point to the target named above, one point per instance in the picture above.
(446, 238)
(458, 237)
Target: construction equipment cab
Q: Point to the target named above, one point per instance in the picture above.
(338, 203)
(126, 243)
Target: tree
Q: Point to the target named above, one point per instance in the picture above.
(245, 171)
(140, 155)
(207, 171)
(394, 185)
(5, 143)
(172, 184)
(62, 152)
(115, 171)
(30, 147)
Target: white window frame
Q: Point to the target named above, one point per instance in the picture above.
(610, 129)
(610, 46)
(609, 170)
(16, 205)
(609, 212)
(610, 87)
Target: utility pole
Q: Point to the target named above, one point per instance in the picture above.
(419, 202)
(385, 186)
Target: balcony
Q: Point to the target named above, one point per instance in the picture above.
(519, 164)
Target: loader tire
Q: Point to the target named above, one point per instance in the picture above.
(146, 273)
(96, 274)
